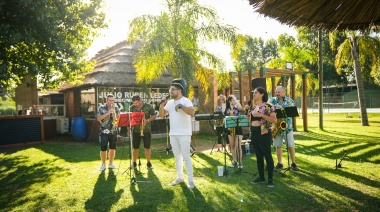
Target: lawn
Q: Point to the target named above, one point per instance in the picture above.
(63, 175)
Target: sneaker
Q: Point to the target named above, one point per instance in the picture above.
(270, 183)
(294, 167)
(149, 165)
(102, 167)
(134, 165)
(177, 181)
(191, 185)
(240, 166)
(112, 166)
(233, 164)
(279, 166)
(257, 181)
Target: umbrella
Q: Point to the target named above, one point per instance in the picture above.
(322, 14)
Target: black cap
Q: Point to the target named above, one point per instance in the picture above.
(177, 85)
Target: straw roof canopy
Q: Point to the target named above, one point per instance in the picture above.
(114, 68)
(322, 14)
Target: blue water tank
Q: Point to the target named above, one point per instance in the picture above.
(79, 128)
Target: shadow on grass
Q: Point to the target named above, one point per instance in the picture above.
(157, 195)
(18, 177)
(104, 194)
(329, 145)
(195, 200)
(336, 194)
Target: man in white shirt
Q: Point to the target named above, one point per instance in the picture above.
(180, 110)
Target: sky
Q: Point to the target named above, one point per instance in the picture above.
(233, 12)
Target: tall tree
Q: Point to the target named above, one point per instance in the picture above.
(47, 39)
(171, 42)
(356, 48)
(308, 42)
(290, 50)
(250, 52)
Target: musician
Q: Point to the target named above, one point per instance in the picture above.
(145, 133)
(235, 135)
(219, 126)
(280, 101)
(262, 116)
(180, 110)
(107, 115)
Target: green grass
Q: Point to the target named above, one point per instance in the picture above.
(64, 176)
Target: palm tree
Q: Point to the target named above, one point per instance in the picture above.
(170, 42)
(354, 47)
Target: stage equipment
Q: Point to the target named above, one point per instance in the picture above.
(131, 119)
(206, 117)
(259, 82)
(234, 122)
(168, 147)
(124, 121)
(282, 114)
(339, 165)
(209, 117)
(136, 118)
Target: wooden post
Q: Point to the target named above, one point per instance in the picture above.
(273, 80)
(293, 96)
(240, 88)
(304, 103)
(283, 81)
(250, 83)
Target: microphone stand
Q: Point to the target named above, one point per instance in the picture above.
(168, 148)
(339, 165)
(235, 121)
(216, 133)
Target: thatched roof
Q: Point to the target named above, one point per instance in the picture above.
(322, 14)
(114, 68)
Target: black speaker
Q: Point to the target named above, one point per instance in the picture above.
(183, 83)
(259, 82)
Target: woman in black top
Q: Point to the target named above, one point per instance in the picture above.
(262, 116)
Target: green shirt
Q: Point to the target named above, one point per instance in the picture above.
(148, 112)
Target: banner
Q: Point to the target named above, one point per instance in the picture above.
(123, 96)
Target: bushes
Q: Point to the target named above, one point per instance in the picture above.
(8, 111)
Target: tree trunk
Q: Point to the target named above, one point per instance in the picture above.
(359, 81)
(320, 79)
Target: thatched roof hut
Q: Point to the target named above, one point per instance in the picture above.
(114, 67)
(330, 15)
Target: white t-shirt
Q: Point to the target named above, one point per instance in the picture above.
(180, 122)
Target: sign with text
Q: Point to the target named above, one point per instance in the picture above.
(123, 96)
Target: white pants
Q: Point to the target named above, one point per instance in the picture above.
(181, 150)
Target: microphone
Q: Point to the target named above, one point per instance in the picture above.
(163, 100)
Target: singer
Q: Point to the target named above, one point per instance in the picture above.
(180, 110)
(107, 115)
